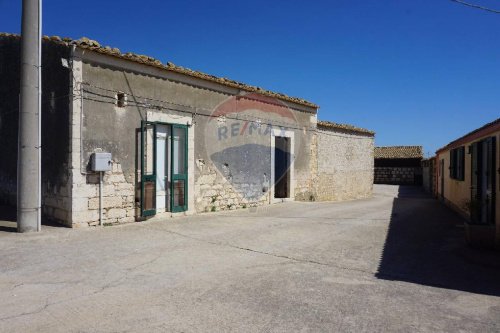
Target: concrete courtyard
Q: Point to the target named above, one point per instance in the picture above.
(396, 262)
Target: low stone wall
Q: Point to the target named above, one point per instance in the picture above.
(345, 166)
(398, 175)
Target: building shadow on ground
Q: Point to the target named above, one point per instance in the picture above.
(426, 245)
(8, 220)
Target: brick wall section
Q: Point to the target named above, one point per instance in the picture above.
(345, 165)
(396, 175)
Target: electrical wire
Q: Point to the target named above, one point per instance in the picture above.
(476, 6)
(256, 120)
(175, 108)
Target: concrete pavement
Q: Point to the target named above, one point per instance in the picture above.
(396, 262)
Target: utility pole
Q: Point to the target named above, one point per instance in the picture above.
(29, 149)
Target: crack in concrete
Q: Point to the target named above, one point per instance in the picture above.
(42, 308)
(108, 285)
(44, 283)
(159, 256)
(48, 304)
(298, 260)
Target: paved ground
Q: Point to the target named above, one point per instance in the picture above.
(393, 263)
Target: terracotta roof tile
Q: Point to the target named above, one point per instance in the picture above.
(86, 43)
(399, 152)
(344, 127)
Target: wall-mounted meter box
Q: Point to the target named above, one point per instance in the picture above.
(101, 162)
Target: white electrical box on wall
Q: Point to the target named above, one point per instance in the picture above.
(101, 162)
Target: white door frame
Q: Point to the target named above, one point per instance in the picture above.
(174, 117)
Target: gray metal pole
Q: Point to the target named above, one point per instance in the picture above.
(28, 168)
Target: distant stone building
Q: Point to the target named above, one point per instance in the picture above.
(400, 165)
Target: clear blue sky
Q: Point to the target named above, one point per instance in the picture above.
(419, 72)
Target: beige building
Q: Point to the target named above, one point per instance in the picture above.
(467, 180)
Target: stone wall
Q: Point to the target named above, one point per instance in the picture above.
(345, 165)
(118, 199)
(214, 192)
(305, 184)
(56, 202)
(398, 175)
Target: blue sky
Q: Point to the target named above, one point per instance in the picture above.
(419, 72)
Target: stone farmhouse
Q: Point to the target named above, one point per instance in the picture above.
(127, 138)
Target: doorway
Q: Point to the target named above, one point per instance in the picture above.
(282, 161)
(483, 181)
(163, 168)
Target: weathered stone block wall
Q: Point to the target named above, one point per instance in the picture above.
(214, 192)
(305, 181)
(241, 176)
(345, 166)
(397, 175)
(56, 202)
(118, 199)
(306, 176)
